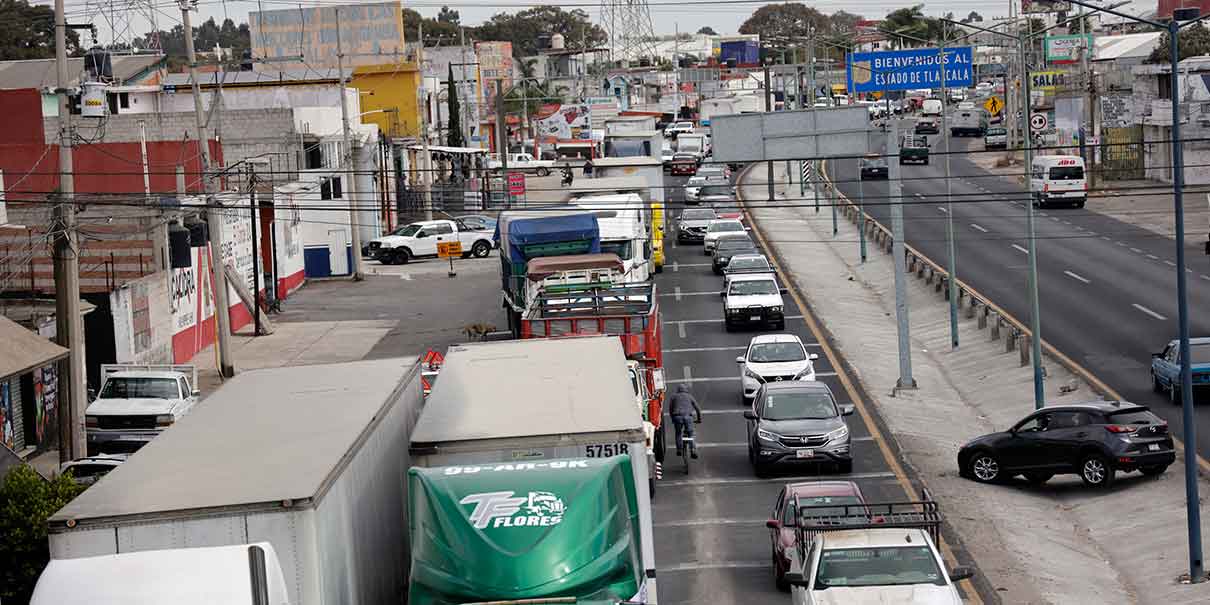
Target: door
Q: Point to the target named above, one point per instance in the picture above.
(1024, 447)
(444, 233)
(1058, 445)
(425, 242)
(338, 251)
(1166, 365)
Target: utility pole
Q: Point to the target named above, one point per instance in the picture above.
(1086, 111)
(1035, 306)
(810, 101)
(426, 163)
(464, 107)
(949, 207)
(69, 328)
(769, 109)
(350, 188)
(256, 269)
(502, 141)
(906, 380)
(214, 217)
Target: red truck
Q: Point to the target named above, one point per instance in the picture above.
(629, 311)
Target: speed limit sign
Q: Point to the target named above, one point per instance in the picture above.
(1037, 121)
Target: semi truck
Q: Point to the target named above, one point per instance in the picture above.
(311, 459)
(528, 404)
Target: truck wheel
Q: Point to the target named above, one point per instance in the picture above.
(481, 249)
(400, 257)
(543, 171)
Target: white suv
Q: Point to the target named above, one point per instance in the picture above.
(774, 358)
(719, 228)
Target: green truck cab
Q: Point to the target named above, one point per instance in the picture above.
(914, 149)
(519, 531)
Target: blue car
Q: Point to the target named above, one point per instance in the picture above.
(1166, 368)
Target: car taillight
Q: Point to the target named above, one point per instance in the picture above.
(1120, 428)
(1046, 187)
(164, 420)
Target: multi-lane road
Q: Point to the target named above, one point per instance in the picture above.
(711, 542)
(1107, 288)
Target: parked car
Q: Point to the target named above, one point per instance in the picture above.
(783, 524)
(676, 129)
(794, 422)
(419, 240)
(753, 299)
(89, 470)
(728, 246)
(523, 162)
(718, 228)
(693, 188)
(666, 153)
(996, 138)
(914, 149)
(136, 403)
(1094, 440)
(874, 168)
(774, 358)
(691, 225)
(748, 263)
(1166, 368)
(683, 164)
(966, 105)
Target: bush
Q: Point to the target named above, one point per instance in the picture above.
(26, 501)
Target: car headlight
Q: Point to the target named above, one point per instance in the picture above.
(839, 434)
(766, 435)
(753, 375)
(775, 308)
(385, 246)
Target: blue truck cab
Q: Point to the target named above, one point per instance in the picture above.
(1166, 368)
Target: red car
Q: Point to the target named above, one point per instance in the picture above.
(782, 524)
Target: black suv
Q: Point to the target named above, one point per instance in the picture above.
(728, 246)
(1093, 440)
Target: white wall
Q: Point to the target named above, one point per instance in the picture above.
(259, 97)
(142, 320)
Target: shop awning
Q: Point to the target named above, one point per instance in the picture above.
(22, 350)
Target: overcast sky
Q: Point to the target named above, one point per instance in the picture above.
(725, 16)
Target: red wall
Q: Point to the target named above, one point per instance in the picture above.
(1164, 7)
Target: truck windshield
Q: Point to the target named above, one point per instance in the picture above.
(771, 352)
(885, 566)
(622, 248)
(798, 405)
(753, 288)
(140, 388)
(1066, 173)
(406, 230)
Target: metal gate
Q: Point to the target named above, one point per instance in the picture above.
(1122, 153)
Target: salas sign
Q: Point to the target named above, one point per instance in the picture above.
(907, 69)
(1047, 80)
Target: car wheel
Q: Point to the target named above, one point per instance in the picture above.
(659, 268)
(926, 161)
(984, 468)
(1038, 478)
(1096, 471)
(1155, 384)
(543, 171)
(844, 466)
(481, 249)
(717, 271)
(1154, 470)
(779, 577)
(400, 257)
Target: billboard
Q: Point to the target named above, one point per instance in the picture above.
(1045, 6)
(1049, 81)
(567, 122)
(1066, 49)
(370, 34)
(906, 69)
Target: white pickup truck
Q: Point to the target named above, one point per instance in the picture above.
(419, 240)
(523, 162)
(137, 402)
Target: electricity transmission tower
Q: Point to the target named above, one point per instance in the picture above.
(631, 35)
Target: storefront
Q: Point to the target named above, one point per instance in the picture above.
(29, 389)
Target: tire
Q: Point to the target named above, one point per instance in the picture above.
(543, 171)
(481, 249)
(1096, 471)
(926, 161)
(729, 326)
(844, 467)
(779, 578)
(1174, 393)
(1154, 470)
(659, 268)
(400, 256)
(983, 467)
(1080, 204)
(651, 487)
(1038, 478)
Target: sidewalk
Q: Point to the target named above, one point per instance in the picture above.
(1058, 543)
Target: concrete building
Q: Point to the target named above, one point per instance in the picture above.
(28, 389)
(134, 87)
(1151, 108)
(369, 34)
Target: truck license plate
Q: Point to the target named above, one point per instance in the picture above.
(1154, 447)
(754, 317)
(804, 453)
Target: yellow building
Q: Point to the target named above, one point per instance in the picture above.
(391, 87)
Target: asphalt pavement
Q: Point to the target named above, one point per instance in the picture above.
(712, 545)
(1107, 288)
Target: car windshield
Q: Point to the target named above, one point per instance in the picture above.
(754, 262)
(1133, 416)
(735, 244)
(1066, 173)
(725, 226)
(697, 181)
(622, 248)
(996, 131)
(711, 171)
(140, 388)
(752, 287)
(697, 215)
(723, 190)
(842, 504)
(798, 405)
(882, 566)
(407, 230)
(772, 352)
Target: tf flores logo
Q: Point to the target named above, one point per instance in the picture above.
(503, 509)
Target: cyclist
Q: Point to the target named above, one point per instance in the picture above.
(683, 408)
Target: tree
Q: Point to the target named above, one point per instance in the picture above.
(448, 16)
(453, 133)
(26, 502)
(841, 22)
(28, 32)
(910, 22)
(1193, 41)
(524, 28)
(707, 31)
(973, 17)
(434, 30)
(778, 22)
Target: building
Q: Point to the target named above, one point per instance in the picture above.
(366, 34)
(1164, 8)
(1150, 109)
(29, 390)
(135, 81)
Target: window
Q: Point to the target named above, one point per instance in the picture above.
(1066, 173)
(1034, 424)
(337, 192)
(185, 390)
(124, 100)
(325, 189)
(440, 229)
(773, 352)
(1133, 416)
(884, 566)
(752, 263)
(798, 405)
(1068, 420)
(140, 388)
(725, 226)
(1199, 353)
(622, 248)
(314, 157)
(697, 214)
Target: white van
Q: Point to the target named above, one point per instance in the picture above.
(623, 219)
(1058, 179)
(931, 108)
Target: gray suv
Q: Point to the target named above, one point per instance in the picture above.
(797, 421)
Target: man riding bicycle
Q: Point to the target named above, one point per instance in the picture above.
(683, 408)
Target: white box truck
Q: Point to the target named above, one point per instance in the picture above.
(310, 459)
(523, 403)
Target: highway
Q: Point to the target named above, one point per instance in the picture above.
(712, 545)
(1107, 288)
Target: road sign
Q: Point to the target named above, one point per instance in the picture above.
(516, 183)
(449, 249)
(993, 105)
(1038, 122)
(907, 69)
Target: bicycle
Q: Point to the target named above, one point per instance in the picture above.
(686, 446)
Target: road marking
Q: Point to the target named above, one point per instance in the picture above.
(1020, 249)
(676, 292)
(688, 371)
(1206, 277)
(1077, 277)
(1106, 238)
(920, 196)
(1153, 257)
(705, 349)
(734, 411)
(978, 228)
(721, 444)
(714, 321)
(1136, 251)
(696, 265)
(691, 380)
(711, 522)
(680, 330)
(675, 266)
(1149, 312)
(1169, 263)
(943, 210)
(777, 480)
(679, 567)
(1122, 244)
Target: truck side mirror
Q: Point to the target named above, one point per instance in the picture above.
(196, 392)
(961, 572)
(795, 578)
(92, 394)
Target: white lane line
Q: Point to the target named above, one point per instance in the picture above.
(1122, 244)
(705, 349)
(1020, 249)
(675, 266)
(680, 330)
(711, 522)
(735, 411)
(1169, 263)
(919, 196)
(702, 566)
(1153, 257)
(676, 292)
(1104, 237)
(1065, 222)
(779, 480)
(1206, 277)
(1136, 251)
(721, 444)
(696, 265)
(691, 380)
(713, 321)
(688, 371)
(1149, 312)
(978, 228)
(1077, 277)
(942, 209)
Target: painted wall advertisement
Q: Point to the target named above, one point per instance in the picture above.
(567, 122)
(46, 402)
(142, 320)
(7, 417)
(366, 30)
(871, 72)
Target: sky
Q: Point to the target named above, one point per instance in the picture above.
(725, 16)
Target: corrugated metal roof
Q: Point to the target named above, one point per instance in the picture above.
(263, 437)
(521, 388)
(40, 73)
(251, 78)
(1126, 46)
(22, 350)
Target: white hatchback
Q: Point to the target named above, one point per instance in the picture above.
(774, 358)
